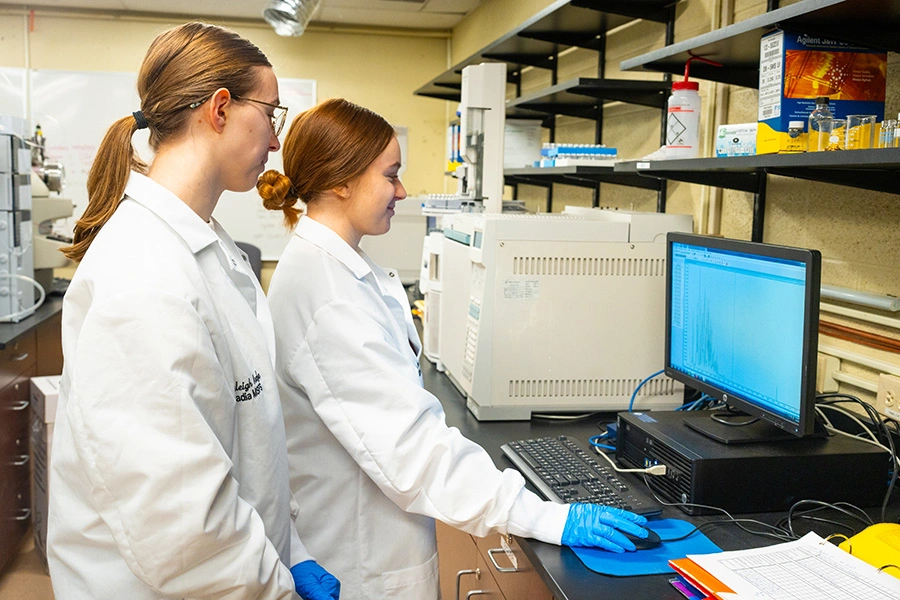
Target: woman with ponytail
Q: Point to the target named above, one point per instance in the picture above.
(385, 463)
(169, 471)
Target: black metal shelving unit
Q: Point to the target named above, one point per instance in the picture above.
(578, 97)
(581, 176)
(537, 43)
(872, 23)
(875, 169)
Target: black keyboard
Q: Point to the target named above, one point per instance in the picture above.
(563, 471)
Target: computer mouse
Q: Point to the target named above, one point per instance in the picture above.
(651, 541)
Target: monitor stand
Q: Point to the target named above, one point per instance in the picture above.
(756, 432)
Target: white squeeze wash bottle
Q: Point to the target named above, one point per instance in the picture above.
(683, 120)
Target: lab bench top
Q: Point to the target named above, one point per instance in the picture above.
(10, 331)
(560, 569)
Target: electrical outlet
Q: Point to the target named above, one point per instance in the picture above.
(825, 367)
(887, 402)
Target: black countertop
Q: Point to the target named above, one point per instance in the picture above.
(559, 567)
(10, 331)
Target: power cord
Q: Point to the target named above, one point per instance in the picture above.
(639, 386)
(13, 317)
(774, 531)
(654, 470)
(881, 427)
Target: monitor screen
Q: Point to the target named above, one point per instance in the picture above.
(742, 326)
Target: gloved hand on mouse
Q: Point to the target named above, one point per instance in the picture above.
(593, 525)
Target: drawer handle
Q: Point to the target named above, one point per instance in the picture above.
(20, 405)
(478, 593)
(500, 569)
(25, 513)
(23, 458)
(20, 357)
(459, 574)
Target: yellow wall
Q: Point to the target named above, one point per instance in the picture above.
(376, 68)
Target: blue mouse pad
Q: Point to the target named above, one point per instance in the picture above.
(653, 561)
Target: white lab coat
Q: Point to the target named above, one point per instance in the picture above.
(372, 460)
(168, 472)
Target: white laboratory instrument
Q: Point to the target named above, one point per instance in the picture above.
(47, 244)
(482, 118)
(430, 287)
(17, 285)
(555, 313)
(47, 176)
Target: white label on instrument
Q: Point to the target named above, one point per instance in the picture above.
(517, 289)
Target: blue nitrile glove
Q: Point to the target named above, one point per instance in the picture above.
(593, 525)
(313, 582)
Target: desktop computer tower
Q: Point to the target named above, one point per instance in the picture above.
(747, 478)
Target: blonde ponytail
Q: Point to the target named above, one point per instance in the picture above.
(115, 159)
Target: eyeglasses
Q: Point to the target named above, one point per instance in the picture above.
(278, 116)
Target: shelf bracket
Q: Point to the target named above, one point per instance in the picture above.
(759, 210)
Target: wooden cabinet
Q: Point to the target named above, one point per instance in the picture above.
(48, 344)
(481, 568)
(15, 492)
(35, 352)
(17, 357)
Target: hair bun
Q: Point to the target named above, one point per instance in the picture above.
(276, 190)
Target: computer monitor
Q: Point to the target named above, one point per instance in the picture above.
(742, 326)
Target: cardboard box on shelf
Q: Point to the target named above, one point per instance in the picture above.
(736, 140)
(44, 396)
(795, 68)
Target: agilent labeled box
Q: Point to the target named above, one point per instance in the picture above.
(795, 68)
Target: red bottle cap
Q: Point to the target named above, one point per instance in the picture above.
(685, 85)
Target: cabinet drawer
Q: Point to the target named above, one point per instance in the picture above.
(15, 417)
(457, 558)
(485, 586)
(519, 580)
(15, 510)
(15, 504)
(478, 584)
(19, 355)
(49, 346)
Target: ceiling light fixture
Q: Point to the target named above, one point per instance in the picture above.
(290, 17)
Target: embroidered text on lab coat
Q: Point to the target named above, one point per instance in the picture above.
(249, 388)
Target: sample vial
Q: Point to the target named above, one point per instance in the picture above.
(819, 113)
(796, 138)
(896, 140)
(886, 133)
